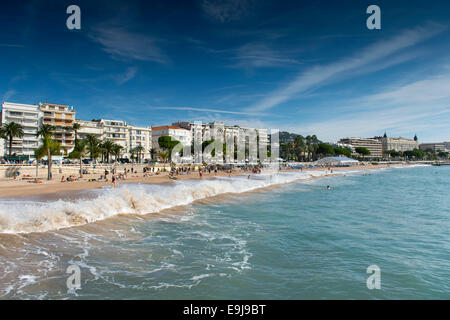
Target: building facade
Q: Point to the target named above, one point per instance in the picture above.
(115, 131)
(89, 128)
(62, 117)
(140, 136)
(234, 134)
(176, 133)
(28, 116)
(372, 144)
(398, 144)
(436, 147)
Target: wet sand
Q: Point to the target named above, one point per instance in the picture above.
(20, 188)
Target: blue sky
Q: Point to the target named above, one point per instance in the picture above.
(310, 67)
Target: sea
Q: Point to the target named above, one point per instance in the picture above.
(268, 236)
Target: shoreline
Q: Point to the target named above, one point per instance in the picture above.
(67, 214)
(21, 188)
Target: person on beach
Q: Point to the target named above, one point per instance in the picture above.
(113, 181)
(200, 173)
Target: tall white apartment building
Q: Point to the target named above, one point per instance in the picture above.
(28, 117)
(218, 130)
(139, 136)
(119, 132)
(115, 131)
(374, 145)
(176, 133)
(92, 128)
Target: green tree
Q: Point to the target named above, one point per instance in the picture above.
(166, 143)
(79, 152)
(139, 151)
(394, 154)
(133, 153)
(39, 153)
(75, 127)
(10, 131)
(51, 147)
(362, 151)
(116, 151)
(443, 154)
(414, 154)
(418, 154)
(299, 148)
(343, 151)
(325, 149)
(92, 146)
(107, 149)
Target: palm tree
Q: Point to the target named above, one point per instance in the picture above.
(116, 151)
(75, 127)
(107, 147)
(79, 152)
(132, 153)
(153, 152)
(39, 153)
(139, 150)
(93, 146)
(10, 131)
(46, 133)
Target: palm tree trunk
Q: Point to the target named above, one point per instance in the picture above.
(81, 167)
(49, 166)
(37, 168)
(10, 145)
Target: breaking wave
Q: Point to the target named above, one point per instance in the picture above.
(22, 216)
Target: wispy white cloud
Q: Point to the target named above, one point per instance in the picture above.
(260, 55)
(318, 75)
(129, 74)
(9, 94)
(422, 105)
(227, 10)
(126, 45)
(209, 110)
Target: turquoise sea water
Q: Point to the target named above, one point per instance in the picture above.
(295, 241)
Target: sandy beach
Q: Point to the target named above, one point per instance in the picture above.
(18, 188)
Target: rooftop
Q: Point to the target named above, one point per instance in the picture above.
(167, 127)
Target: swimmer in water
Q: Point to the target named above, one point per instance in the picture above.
(328, 188)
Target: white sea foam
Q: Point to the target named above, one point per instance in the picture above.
(18, 216)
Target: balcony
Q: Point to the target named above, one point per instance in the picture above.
(11, 117)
